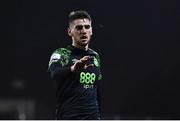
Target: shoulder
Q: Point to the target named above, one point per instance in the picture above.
(93, 52)
(63, 51)
(59, 53)
(62, 55)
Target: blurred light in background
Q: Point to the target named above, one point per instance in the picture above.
(14, 109)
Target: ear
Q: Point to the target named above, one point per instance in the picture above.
(91, 31)
(69, 32)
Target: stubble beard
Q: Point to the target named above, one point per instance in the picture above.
(83, 44)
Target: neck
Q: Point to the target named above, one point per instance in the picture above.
(81, 47)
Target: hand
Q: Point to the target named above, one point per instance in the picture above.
(81, 64)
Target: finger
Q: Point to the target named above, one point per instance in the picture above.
(86, 66)
(78, 61)
(90, 65)
(85, 58)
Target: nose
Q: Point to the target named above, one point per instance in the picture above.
(83, 30)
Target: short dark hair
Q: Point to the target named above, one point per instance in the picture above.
(79, 14)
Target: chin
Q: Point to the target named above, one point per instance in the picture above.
(84, 41)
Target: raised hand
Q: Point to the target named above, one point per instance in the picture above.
(81, 64)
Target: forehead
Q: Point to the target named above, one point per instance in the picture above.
(81, 21)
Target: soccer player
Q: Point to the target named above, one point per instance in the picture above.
(76, 71)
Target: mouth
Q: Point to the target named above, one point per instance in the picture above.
(84, 37)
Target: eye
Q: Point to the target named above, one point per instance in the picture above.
(79, 27)
(87, 26)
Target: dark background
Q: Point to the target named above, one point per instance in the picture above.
(138, 41)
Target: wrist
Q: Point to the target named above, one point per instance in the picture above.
(72, 68)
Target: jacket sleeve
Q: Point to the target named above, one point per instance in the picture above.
(57, 72)
(58, 68)
(99, 66)
(99, 89)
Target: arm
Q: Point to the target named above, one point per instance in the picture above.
(99, 89)
(58, 72)
(58, 66)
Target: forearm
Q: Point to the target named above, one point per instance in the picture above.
(58, 72)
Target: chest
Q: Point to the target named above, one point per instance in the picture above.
(89, 76)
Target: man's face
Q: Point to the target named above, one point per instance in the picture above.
(80, 30)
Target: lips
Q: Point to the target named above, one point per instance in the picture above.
(84, 37)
